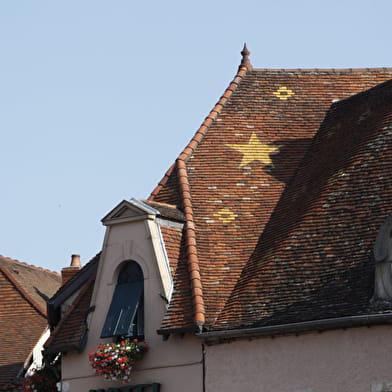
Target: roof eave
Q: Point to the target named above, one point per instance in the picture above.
(216, 337)
(177, 331)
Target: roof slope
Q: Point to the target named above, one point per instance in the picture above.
(22, 315)
(180, 310)
(38, 283)
(71, 331)
(314, 260)
(75, 282)
(237, 166)
(71, 328)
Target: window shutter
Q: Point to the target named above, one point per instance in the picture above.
(122, 311)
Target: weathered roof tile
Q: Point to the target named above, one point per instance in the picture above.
(266, 124)
(22, 314)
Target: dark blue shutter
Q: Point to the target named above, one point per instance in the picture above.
(122, 311)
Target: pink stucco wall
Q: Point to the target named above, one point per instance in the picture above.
(352, 360)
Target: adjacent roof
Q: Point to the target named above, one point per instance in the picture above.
(230, 177)
(38, 283)
(70, 332)
(76, 282)
(23, 288)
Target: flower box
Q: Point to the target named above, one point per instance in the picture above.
(115, 361)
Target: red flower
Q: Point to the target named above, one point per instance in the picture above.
(115, 360)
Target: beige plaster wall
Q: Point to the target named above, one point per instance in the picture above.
(138, 241)
(177, 378)
(352, 360)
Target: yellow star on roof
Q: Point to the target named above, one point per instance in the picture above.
(254, 151)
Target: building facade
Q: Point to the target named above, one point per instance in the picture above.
(251, 266)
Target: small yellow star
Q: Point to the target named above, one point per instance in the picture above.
(225, 215)
(283, 93)
(254, 151)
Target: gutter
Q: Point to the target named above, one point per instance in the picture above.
(215, 337)
(179, 331)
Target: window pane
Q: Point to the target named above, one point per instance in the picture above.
(123, 308)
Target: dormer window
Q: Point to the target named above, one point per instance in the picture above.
(125, 317)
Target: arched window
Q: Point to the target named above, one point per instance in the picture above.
(126, 311)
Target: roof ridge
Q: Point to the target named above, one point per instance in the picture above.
(159, 202)
(202, 130)
(22, 291)
(312, 69)
(191, 249)
(360, 94)
(29, 265)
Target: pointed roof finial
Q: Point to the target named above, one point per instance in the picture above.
(245, 57)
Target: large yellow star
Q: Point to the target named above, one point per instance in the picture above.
(254, 151)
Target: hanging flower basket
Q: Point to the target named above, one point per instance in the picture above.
(114, 361)
(42, 380)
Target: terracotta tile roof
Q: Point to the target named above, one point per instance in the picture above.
(168, 189)
(71, 332)
(38, 283)
(230, 177)
(269, 234)
(173, 238)
(13, 386)
(181, 311)
(22, 313)
(314, 259)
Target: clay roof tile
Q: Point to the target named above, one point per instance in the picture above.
(240, 167)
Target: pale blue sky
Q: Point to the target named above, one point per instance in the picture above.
(97, 98)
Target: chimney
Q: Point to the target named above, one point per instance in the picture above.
(68, 272)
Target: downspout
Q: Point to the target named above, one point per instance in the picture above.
(203, 349)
